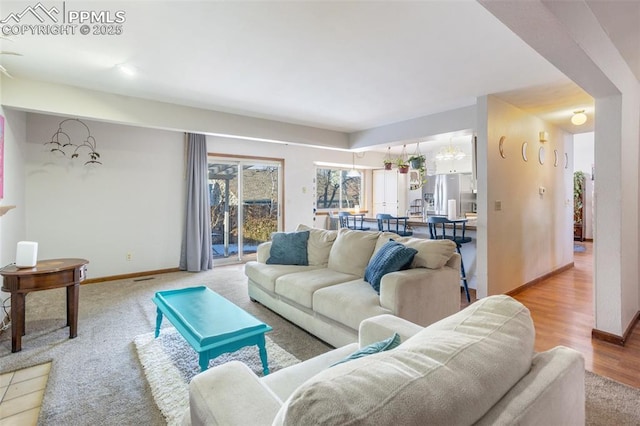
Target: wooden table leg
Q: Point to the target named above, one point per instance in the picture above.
(73, 292)
(17, 321)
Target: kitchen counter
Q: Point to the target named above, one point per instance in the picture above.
(421, 230)
(417, 222)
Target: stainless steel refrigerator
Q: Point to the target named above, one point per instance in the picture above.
(439, 189)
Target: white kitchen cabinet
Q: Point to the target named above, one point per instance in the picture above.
(390, 190)
(454, 166)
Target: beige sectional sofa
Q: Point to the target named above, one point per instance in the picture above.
(330, 298)
(476, 367)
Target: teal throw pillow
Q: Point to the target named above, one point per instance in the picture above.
(289, 248)
(374, 348)
(391, 257)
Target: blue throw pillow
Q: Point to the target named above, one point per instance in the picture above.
(374, 348)
(289, 248)
(391, 257)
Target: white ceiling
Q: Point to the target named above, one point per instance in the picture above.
(345, 66)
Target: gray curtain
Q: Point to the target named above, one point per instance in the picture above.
(196, 241)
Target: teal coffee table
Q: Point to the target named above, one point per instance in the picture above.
(210, 323)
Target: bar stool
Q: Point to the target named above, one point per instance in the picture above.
(443, 223)
(397, 225)
(352, 221)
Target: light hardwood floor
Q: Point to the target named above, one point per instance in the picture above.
(562, 310)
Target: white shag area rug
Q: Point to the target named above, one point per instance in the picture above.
(169, 363)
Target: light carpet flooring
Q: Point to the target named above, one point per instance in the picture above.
(97, 378)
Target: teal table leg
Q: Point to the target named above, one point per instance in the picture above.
(158, 322)
(263, 355)
(203, 361)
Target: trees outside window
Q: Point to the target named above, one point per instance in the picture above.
(336, 190)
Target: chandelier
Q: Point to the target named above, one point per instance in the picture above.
(450, 153)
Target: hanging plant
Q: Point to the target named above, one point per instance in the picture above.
(388, 162)
(417, 162)
(402, 162)
(417, 159)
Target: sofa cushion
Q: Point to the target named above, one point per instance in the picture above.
(348, 303)
(319, 244)
(432, 254)
(265, 275)
(452, 372)
(351, 251)
(299, 287)
(391, 257)
(289, 248)
(373, 348)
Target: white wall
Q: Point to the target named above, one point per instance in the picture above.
(591, 60)
(532, 234)
(584, 160)
(12, 224)
(132, 203)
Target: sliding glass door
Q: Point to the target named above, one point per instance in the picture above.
(245, 198)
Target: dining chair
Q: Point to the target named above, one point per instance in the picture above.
(441, 228)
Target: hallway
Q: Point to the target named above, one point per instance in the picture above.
(562, 311)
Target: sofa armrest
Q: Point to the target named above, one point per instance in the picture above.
(381, 327)
(219, 396)
(552, 393)
(454, 261)
(263, 252)
(421, 295)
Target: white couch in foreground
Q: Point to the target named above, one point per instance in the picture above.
(475, 367)
(330, 298)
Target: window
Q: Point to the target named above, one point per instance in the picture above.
(245, 204)
(336, 190)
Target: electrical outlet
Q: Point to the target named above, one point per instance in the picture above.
(497, 205)
(129, 257)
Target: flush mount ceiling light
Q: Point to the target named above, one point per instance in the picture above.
(579, 118)
(3, 70)
(128, 70)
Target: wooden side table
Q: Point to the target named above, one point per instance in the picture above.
(47, 274)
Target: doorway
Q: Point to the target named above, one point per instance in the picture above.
(245, 198)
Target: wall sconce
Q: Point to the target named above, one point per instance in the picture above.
(61, 141)
(543, 136)
(579, 118)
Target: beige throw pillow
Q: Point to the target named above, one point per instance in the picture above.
(432, 254)
(319, 244)
(352, 250)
